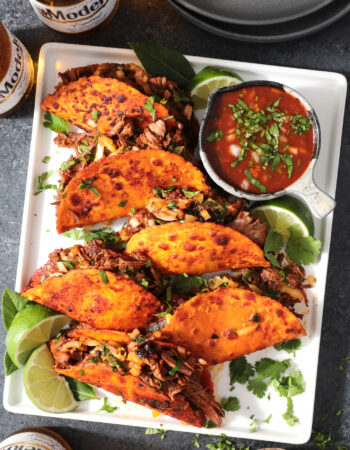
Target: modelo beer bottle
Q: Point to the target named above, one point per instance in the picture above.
(16, 72)
(34, 439)
(75, 16)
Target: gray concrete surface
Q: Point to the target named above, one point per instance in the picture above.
(156, 20)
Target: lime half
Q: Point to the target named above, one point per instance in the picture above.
(206, 81)
(47, 389)
(31, 327)
(283, 212)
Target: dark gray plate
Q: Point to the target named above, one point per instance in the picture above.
(253, 12)
(285, 31)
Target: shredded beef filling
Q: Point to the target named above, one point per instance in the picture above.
(175, 371)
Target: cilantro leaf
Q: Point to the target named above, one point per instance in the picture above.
(189, 194)
(215, 135)
(273, 244)
(267, 420)
(240, 370)
(46, 159)
(254, 181)
(95, 115)
(267, 367)
(290, 385)
(68, 164)
(209, 424)
(106, 234)
(257, 386)
(149, 106)
(288, 415)
(76, 233)
(103, 276)
(289, 346)
(87, 184)
(253, 425)
(321, 438)
(55, 123)
(69, 264)
(106, 407)
(230, 403)
(176, 368)
(185, 284)
(302, 250)
(223, 444)
(150, 431)
(40, 183)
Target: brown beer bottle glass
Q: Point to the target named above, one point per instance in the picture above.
(16, 72)
(75, 16)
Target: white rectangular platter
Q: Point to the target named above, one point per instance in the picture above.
(326, 91)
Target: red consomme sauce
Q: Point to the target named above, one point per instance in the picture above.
(259, 139)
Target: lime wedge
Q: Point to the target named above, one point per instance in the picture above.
(206, 81)
(283, 212)
(47, 389)
(30, 328)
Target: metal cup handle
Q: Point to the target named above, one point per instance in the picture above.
(320, 203)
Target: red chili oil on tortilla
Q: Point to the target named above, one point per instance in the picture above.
(259, 139)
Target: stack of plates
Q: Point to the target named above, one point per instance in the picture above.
(262, 20)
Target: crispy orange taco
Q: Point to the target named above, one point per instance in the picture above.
(110, 187)
(228, 323)
(148, 371)
(98, 298)
(96, 104)
(196, 247)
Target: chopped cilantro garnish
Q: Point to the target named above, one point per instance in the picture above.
(106, 234)
(288, 415)
(106, 407)
(149, 106)
(290, 385)
(240, 370)
(254, 181)
(132, 211)
(123, 203)
(176, 368)
(68, 164)
(257, 386)
(267, 420)
(195, 441)
(86, 184)
(189, 194)
(230, 403)
(69, 264)
(171, 205)
(289, 346)
(103, 276)
(40, 183)
(253, 424)
(144, 283)
(185, 284)
(46, 159)
(215, 135)
(300, 124)
(95, 115)
(322, 439)
(150, 431)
